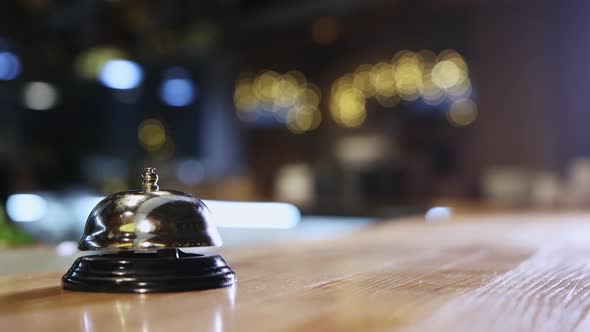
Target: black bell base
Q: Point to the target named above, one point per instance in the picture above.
(162, 271)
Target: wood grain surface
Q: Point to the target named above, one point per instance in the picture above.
(511, 272)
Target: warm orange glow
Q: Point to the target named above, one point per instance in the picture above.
(325, 30)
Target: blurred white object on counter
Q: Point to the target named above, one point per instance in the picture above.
(295, 184)
(545, 190)
(506, 186)
(577, 187)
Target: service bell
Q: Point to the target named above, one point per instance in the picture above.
(140, 233)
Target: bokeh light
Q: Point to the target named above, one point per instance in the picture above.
(304, 118)
(432, 94)
(446, 74)
(363, 80)
(388, 101)
(40, 96)
(88, 64)
(266, 86)
(450, 71)
(151, 134)
(383, 79)
(26, 207)
(166, 151)
(347, 103)
(310, 96)
(408, 76)
(244, 98)
(462, 112)
(426, 56)
(461, 90)
(287, 98)
(190, 172)
(287, 92)
(10, 66)
(177, 92)
(121, 74)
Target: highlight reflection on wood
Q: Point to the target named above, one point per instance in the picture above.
(480, 273)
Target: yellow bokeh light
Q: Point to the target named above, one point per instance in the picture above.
(462, 90)
(462, 113)
(166, 151)
(431, 93)
(401, 54)
(341, 83)
(288, 91)
(450, 71)
(89, 63)
(427, 56)
(455, 57)
(244, 97)
(304, 118)
(288, 96)
(298, 76)
(446, 74)
(310, 96)
(266, 86)
(446, 54)
(383, 79)
(408, 76)
(347, 103)
(388, 101)
(362, 80)
(151, 134)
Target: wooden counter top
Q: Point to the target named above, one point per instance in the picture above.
(512, 272)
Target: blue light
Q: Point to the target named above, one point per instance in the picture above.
(9, 66)
(26, 207)
(121, 74)
(177, 92)
(190, 172)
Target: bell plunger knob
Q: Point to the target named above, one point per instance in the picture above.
(149, 179)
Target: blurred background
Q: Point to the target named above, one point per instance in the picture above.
(352, 110)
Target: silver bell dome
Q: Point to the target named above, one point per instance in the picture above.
(149, 219)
